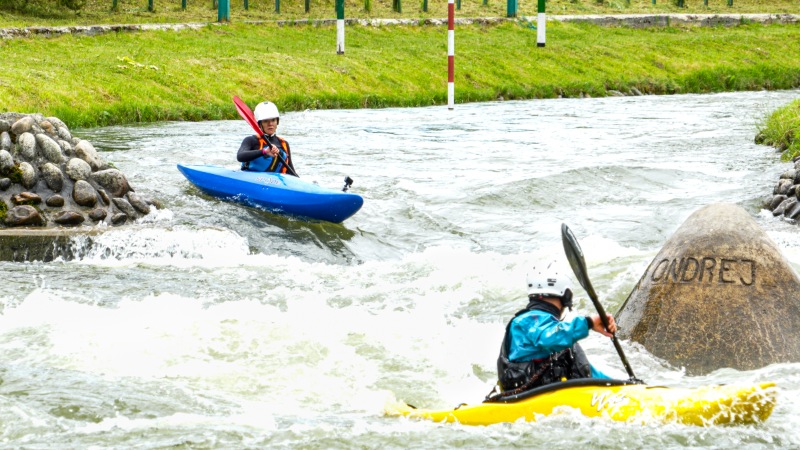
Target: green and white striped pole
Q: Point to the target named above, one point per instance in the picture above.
(340, 27)
(541, 21)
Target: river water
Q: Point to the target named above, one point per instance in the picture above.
(212, 325)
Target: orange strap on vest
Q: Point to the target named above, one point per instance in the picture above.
(275, 161)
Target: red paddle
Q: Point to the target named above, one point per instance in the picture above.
(247, 115)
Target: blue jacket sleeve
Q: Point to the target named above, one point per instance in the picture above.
(537, 334)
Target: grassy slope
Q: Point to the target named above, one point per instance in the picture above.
(192, 74)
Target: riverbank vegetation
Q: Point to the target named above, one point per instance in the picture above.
(781, 129)
(18, 13)
(192, 74)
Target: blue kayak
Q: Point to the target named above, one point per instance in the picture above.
(274, 192)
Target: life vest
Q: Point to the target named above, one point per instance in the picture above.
(567, 364)
(268, 163)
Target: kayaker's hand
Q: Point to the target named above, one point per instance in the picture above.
(597, 325)
(270, 151)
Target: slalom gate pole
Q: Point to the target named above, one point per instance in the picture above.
(450, 54)
(224, 11)
(540, 25)
(340, 27)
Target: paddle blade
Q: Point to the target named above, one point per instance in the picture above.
(575, 257)
(247, 114)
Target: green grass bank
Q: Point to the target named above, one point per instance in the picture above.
(21, 13)
(781, 129)
(192, 74)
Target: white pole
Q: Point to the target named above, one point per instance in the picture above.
(541, 25)
(340, 27)
(340, 36)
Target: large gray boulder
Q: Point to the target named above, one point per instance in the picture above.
(26, 146)
(50, 149)
(78, 169)
(23, 125)
(84, 194)
(27, 175)
(113, 181)
(86, 151)
(23, 215)
(52, 176)
(6, 161)
(718, 294)
(5, 141)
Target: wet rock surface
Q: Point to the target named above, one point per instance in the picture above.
(783, 202)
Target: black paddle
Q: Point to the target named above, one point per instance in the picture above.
(575, 257)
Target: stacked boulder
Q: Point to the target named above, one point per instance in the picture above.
(785, 195)
(50, 178)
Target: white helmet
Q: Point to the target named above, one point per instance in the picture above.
(548, 281)
(266, 110)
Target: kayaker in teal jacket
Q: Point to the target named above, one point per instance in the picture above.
(268, 153)
(539, 348)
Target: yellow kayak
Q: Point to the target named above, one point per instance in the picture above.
(618, 400)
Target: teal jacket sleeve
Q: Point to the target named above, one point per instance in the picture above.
(537, 334)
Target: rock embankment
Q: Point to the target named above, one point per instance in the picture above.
(785, 197)
(92, 30)
(49, 178)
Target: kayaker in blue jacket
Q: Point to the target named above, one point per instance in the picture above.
(539, 347)
(262, 155)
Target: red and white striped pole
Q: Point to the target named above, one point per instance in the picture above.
(451, 43)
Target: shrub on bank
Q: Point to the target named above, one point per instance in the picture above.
(781, 129)
(42, 8)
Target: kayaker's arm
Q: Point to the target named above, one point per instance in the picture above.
(536, 335)
(597, 325)
(554, 335)
(249, 150)
(559, 335)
